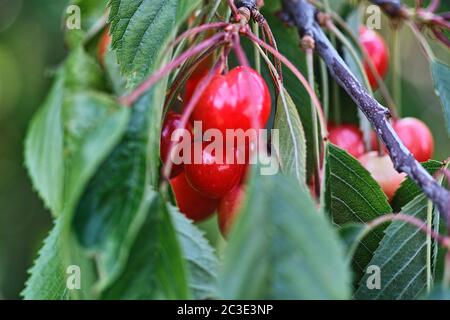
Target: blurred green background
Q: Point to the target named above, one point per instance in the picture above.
(31, 47)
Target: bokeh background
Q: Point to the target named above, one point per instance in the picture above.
(31, 47)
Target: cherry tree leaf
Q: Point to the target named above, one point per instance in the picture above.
(71, 134)
(441, 77)
(202, 264)
(141, 28)
(154, 267)
(282, 248)
(291, 150)
(402, 258)
(353, 196)
(110, 211)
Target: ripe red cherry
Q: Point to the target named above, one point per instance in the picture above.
(237, 100)
(349, 138)
(192, 83)
(103, 46)
(229, 206)
(193, 204)
(215, 176)
(172, 122)
(416, 136)
(382, 170)
(377, 50)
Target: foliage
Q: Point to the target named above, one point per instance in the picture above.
(94, 161)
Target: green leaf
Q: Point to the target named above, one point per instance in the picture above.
(109, 209)
(50, 275)
(441, 77)
(154, 268)
(292, 148)
(402, 258)
(409, 189)
(108, 215)
(282, 248)
(71, 134)
(141, 28)
(287, 41)
(47, 277)
(199, 255)
(353, 196)
(351, 235)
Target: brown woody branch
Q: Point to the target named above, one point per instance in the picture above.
(302, 14)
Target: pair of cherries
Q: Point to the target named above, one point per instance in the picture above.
(414, 134)
(238, 100)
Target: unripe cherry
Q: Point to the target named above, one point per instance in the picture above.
(382, 170)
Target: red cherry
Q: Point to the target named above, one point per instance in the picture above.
(349, 138)
(194, 205)
(382, 170)
(237, 100)
(172, 122)
(191, 85)
(229, 206)
(377, 50)
(416, 136)
(215, 176)
(103, 46)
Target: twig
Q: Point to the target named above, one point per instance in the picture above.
(303, 16)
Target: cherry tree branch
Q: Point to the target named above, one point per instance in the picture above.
(302, 15)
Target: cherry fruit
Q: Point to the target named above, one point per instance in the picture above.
(237, 100)
(172, 122)
(377, 50)
(347, 137)
(416, 136)
(214, 176)
(229, 206)
(190, 202)
(382, 170)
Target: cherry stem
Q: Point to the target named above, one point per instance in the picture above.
(434, 5)
(259, 18)
(297, 73)
(196, 30)
(234, 10)
(421, 225)
(131, 98)
(302, 14)
(240, 54)
(186, 72)
(441, 37)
